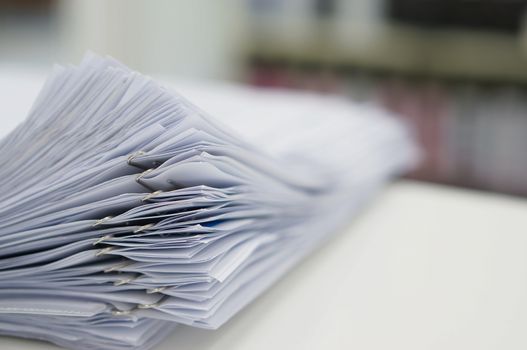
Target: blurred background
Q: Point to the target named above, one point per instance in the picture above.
(454, 70)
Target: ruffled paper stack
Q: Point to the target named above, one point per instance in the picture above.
(125, 210)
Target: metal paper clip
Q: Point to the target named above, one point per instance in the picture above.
(101, 221)
(124, 281)
(143, 228)
(121, 312)
(147, 171)
(104, 251)
(148, 306)
(140, 176)
(116, 267)
(134, 155)
(151, 195)
(102, 239)
(155, 290)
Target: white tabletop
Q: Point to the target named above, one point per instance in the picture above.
(423, 267)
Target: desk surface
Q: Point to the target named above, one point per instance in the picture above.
(423, 267)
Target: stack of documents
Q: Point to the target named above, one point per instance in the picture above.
(125, 210)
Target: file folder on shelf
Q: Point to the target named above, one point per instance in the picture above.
(125, 210)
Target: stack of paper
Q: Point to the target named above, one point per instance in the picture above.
(125, 210)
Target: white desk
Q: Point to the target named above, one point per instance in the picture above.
(424, 267)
